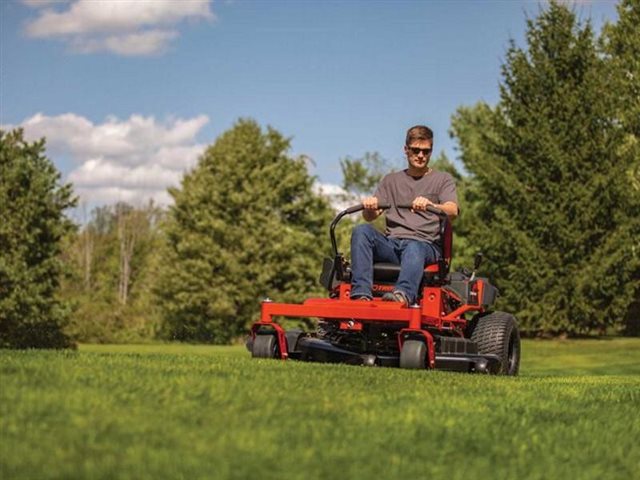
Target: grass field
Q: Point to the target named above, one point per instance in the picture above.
(174, 411)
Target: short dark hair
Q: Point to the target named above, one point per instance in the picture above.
(419, 132)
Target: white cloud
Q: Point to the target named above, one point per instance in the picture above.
(109, 195)
(329, 189)
(123, 27)
(169, 157)
(150, 42)
(130, 141)
(121, 160)
(338, 197)
(105, 173)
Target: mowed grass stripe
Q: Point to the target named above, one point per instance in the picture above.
(176, 411)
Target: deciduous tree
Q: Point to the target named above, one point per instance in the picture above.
(116, 304)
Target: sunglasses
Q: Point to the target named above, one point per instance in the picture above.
(416, 150)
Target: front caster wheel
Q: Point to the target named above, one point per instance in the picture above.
(265, 346)
(413, 354)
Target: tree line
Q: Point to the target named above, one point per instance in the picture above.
(550, 193)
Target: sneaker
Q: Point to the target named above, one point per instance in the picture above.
(362, 298)
(396, 296)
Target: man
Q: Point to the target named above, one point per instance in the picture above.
(411, 236)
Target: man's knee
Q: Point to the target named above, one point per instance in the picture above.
(419, 252)
(415, 247)
(362, 232)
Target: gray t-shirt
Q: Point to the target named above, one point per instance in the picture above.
(400, 188)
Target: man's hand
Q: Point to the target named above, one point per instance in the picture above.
(371, 210)
(421, 203)
(370, 203)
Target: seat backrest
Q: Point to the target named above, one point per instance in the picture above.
(447, 243)
(439, 271)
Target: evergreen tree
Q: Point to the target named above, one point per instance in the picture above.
(245, 225)
(621, 44)
(32, 227)
(553, 206)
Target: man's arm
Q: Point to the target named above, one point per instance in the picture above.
(450, 208)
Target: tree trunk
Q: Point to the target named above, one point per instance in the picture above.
(87, 246)
(632, 319)
(126, 236)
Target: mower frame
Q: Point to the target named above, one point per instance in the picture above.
(438, 320)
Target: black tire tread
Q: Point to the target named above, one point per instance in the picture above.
(489, 332)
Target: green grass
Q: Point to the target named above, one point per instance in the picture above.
(174, 411)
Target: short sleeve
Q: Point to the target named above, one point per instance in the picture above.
(382, 192)
(447, 191)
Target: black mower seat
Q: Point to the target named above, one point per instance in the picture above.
(388, 272)
(434, 273)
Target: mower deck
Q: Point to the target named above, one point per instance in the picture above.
(312, 349)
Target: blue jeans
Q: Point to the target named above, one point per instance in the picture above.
(369, 245)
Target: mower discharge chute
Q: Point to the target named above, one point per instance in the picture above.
(451, 327)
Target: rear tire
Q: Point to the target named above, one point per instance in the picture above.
(497, 333)
(413, 355)
(265, 346)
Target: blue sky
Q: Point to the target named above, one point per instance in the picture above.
(129, 92)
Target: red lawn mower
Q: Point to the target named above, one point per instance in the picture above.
(451, 327)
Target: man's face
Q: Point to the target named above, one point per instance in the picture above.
(419, 153)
